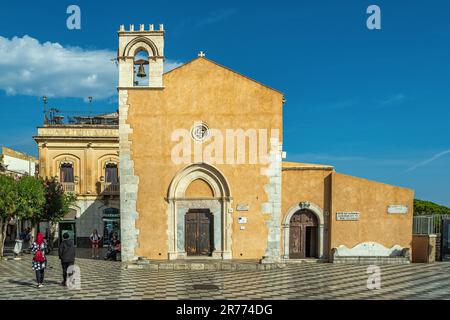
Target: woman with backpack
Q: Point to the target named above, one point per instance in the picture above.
(39, 260)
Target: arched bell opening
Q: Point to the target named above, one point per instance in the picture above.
(141, 69)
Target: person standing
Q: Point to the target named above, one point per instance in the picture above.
(39, 262)
(27, 240)
(66, 255)
(95, 241)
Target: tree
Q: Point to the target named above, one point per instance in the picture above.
(31, 199)
(422, 207)
(57, 203)
(9, 200)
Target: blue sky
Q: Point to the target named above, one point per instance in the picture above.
(373, 103)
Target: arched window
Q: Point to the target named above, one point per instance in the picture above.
(141, 69)
(111, 173)
(66, 173)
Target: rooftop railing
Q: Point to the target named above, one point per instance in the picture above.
(55, 117)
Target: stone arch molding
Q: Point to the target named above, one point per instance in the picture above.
(219, 205)
(205, 172)
(318, 212)
(138, 44)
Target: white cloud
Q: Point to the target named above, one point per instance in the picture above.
(429, 160)
(28, 67)
(214, 17)
(394, 99)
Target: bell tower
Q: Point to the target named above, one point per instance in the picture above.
(141, 61)
(145, 42)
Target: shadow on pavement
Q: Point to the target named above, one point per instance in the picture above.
(23, 283)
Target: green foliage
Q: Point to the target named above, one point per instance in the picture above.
(422, 207)
(57, 202)
(31, 198)
(9, 197)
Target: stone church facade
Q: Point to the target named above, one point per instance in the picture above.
(202, 172)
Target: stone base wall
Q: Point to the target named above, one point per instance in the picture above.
(438, 247)
(371, 260)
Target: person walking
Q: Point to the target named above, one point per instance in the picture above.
(66, 255)
(39, 262)
(95, 241)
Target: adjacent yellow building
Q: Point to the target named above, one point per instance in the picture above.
(202, 172)
(83, 154)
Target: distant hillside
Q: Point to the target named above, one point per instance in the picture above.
(422, 207)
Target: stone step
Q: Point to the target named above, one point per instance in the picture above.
(209, 265)
(294, 261)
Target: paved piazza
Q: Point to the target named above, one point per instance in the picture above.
(107, 280)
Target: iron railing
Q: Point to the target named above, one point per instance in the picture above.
(55, 117)
(428, 224)
(110, 188)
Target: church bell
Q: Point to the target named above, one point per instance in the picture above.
(141, 72)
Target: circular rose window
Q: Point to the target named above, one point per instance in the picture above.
(200, 132)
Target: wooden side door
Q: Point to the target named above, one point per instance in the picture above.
(296, 238)
(299, 223)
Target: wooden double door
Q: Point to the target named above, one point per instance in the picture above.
(303, 235)
(199, 232)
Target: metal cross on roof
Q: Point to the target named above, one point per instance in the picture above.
(201, 54)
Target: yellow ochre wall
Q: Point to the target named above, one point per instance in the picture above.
(371, 199)
(198, 91)
(305, 185)
(199, 189)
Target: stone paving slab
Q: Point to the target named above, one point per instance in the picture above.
(109, 280)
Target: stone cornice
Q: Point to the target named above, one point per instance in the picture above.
(308, 168)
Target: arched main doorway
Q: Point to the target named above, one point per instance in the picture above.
(199, 215)
(303, 235)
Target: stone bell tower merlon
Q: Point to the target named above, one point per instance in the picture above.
(133, 41)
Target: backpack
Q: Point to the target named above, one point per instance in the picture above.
(38, 256)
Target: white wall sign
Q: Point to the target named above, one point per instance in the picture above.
(397, 209)
(347, 216)
(242, 207)
(242, 220)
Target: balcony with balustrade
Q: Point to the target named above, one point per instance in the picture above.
(110, 188)
(68, 187)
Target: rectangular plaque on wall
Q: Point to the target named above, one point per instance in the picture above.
(347, 216)
(242, 207)
(397, 209)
